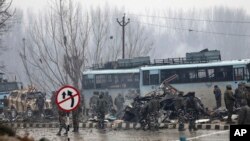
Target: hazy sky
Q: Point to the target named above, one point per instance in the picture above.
(171, 39)
(142, 5)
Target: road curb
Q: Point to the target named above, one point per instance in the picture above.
(124, 125)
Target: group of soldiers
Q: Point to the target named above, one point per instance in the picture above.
(187, 108)
(102, 103)
(240, 99)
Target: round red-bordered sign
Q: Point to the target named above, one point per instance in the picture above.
(68, 98)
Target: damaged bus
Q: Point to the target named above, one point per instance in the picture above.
(198, 77)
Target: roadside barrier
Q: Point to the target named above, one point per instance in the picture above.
(123, 125)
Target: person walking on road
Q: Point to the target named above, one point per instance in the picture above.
(217, 94)
(229, 102)
(62, 122)
(192, 110)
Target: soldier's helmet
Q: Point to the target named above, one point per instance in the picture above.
(191, 94)
(101, 95)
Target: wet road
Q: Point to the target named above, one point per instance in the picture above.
(127, 135)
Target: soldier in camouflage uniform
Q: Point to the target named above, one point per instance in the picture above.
(240, 93)
(62, 122)
(93, 103)
(179, 107)
(109, 100)
(153, 112)
(101, 109)
(192, 110)
(75, 118)
(244, 113)
(229, 102)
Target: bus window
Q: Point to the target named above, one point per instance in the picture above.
(202, 75)
(168, 73)
(88, 82)
(100, 81)
(224, 73)
(238, 73)
(192, 75)
(210, 73)
(154, 77)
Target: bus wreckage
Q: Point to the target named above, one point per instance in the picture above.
(168, 97)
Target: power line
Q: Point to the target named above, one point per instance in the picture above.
(194, 30)
(193, 19)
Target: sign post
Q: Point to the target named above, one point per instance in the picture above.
(68, 99)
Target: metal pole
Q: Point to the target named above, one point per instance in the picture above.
(123, 24)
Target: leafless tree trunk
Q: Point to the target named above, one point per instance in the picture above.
(58, 43)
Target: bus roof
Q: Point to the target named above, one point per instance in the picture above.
(200, 65)
(111, 71)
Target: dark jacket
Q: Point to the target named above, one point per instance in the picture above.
(179, 102)
(229, 98)
(244, 115)
(191, 104)
(102, 105)
(217, 92)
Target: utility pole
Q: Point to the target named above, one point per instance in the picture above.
(123, 24)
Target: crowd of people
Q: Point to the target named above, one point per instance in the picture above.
(239, 99)
(102, 103)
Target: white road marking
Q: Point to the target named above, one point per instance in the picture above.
(205, 135)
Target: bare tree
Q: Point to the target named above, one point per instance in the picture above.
(5, 16)
(57, 46)
(139, 41)
(107, 37)
(100, 29)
